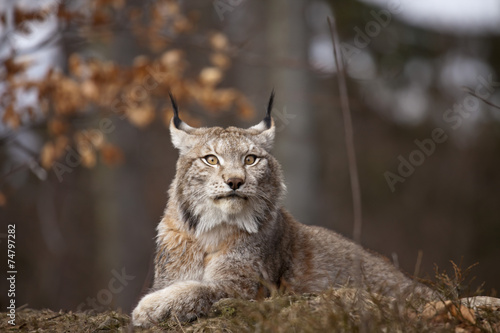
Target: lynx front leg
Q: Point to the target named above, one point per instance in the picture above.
(185, 300)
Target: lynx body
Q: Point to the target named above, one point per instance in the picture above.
(225, 233)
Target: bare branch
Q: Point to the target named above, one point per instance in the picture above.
(349, 136)
(12, 171)
(471, 92)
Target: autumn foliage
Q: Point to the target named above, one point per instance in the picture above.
(104, 91)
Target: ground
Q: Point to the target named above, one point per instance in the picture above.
(341, 310)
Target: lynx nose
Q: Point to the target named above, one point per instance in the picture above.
(235, 183)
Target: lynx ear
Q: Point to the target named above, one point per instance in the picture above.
(180, 132)
(265, 129)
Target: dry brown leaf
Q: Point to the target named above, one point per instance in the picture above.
(225, 98)
(31, 112)
(182, 24)
(210, 76)
(111, 155)
(433, 308)
(80, 138)
(88, 156)
(67, 97)
(118, 4)
(469, 329)
(141, 61)
(85, 149)
(75, 65)
(44, 104)
(90, 90)
(141, 116)
(245, 109)
(3, 199)
(220, 60)
(444, 311)
(47, 155)
(13, 67)
(11, 117)
(60, 144)
(158, 45)
(57, 127)
(219, 41)
(170, 7)
(93, 136)
(463, 313)
(172, 59)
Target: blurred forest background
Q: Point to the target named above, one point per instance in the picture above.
(85, 152)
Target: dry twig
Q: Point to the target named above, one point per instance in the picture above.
(349, 136)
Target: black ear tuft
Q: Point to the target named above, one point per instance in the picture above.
(177, 120)
(267, 119)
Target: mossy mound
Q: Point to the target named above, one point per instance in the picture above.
(341, 310)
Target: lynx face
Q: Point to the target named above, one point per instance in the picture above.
(226, 177)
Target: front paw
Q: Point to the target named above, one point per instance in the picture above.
(151, 310)
(184, 300)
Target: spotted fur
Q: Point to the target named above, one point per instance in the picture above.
(215, 242)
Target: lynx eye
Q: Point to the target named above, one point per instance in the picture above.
(211, 159)
(250, 159)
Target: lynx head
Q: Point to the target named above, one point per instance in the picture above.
(226, 176)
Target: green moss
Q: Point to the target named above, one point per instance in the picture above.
(228, 311)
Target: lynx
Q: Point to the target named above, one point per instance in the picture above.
(225, 233)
